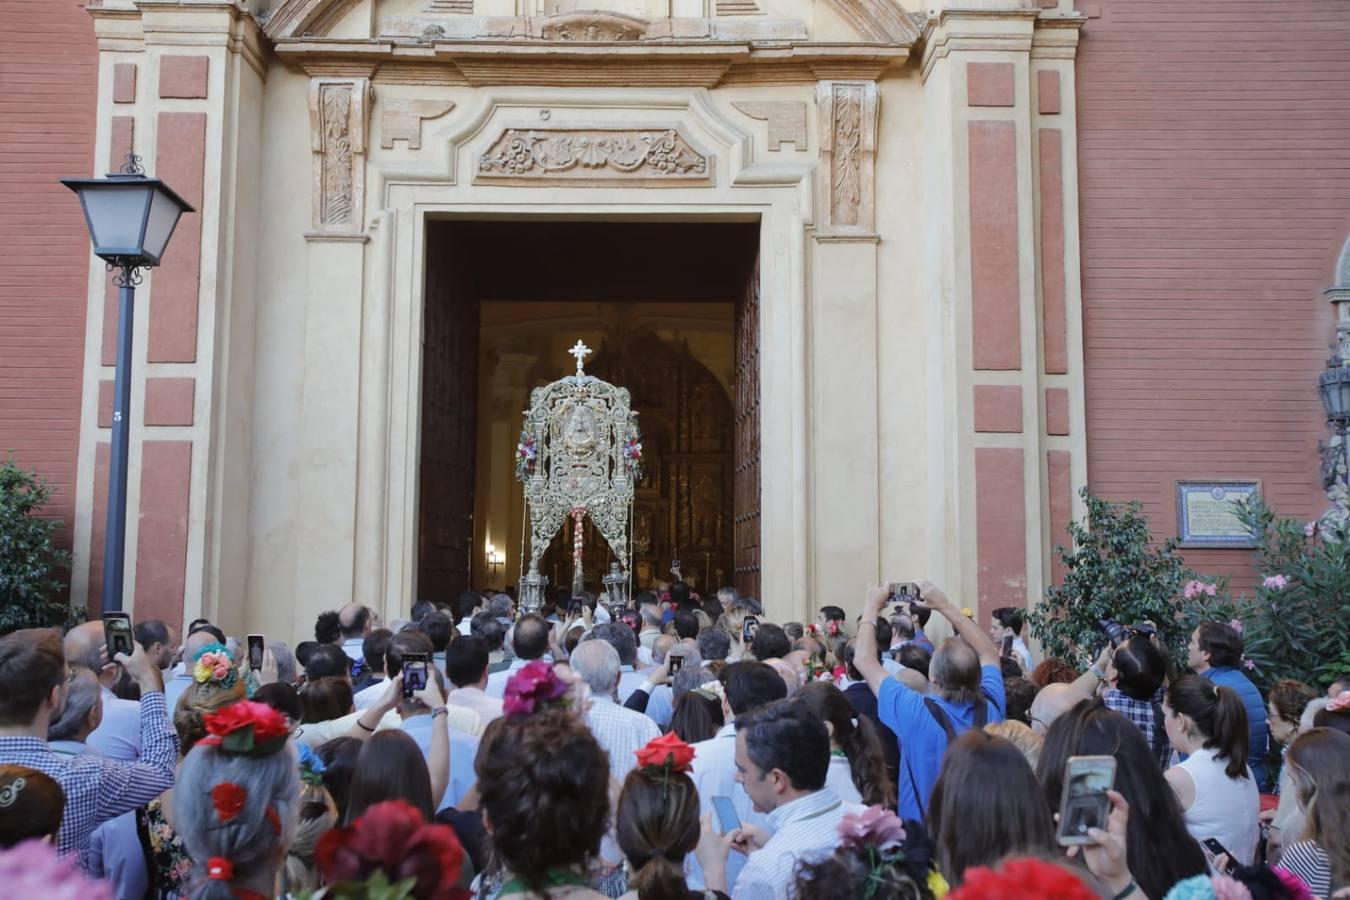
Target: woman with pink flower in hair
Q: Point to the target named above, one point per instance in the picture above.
(878, 857)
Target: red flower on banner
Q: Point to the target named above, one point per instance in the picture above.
(228, 799)
(666, 750)
(393, 838)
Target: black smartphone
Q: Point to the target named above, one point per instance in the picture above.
(1084, 805)
(748, 626)
(574, 609)
(255, 652)
(727, 820)
(904, 592)
(1007, 645)
(414, 673)
(117, 634)
(675, 567)
(676, 663)
(1216, 850)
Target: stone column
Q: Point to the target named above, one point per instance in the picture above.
(180, 84)
(842, 347)
(1007, 437)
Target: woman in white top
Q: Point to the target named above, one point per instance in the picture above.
(1217, 792)
(857, 765)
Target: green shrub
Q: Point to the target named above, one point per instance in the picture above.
(31, 566)
(1113, 571)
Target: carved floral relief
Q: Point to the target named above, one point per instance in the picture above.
(338, 110)
(563, 155)
(848, 134)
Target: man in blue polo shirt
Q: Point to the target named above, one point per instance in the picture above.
(1215, 651)
(967, 693)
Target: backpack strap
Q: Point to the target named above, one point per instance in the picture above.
(981, 715)
(940, 716)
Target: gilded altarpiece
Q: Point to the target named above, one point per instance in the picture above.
(683, 506)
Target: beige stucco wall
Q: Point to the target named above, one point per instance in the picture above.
(867, 441)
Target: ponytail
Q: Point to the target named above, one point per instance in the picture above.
(867, 764)
(1230, 735)
(659, 879)
(1218, 715)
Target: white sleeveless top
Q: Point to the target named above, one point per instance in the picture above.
(840, 777)
(1226, 809)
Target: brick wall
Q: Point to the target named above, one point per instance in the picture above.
(1215, 189)
(48, 78)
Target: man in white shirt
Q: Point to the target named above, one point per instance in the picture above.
(749, 685)
(1006, 625)
(529, 642)
(782, 762)
(373, 650)
(621, 732)
(355, 622)
(649, 608)
(466, 665)
(118, 735)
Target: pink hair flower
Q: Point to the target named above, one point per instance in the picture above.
(1340, 702)
(1248, 664)
(1274, 582)
(873, 827)
(1236, 625)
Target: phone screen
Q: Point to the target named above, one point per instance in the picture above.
(255, 651)
(1007, 645)
(1085, 804)
(676, 662)
(1215, 850)
(117, 634)
(414, 673)
(748, 626)
(727, 820)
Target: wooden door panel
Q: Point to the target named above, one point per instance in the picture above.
(747, 489)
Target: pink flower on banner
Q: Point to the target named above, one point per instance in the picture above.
(873, 827)
(1236, 625)
(1274, 582)
(534, 686)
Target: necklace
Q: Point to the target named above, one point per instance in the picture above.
(555, 877)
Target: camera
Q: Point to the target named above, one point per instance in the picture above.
(1118, 634)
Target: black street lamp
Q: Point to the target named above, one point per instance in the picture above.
(130, 218)
(1333, 385)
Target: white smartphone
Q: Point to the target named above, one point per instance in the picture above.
(1085, 805)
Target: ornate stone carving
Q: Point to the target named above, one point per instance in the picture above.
(338, 110)
(786, 118)
(848, 133)
(569, 156)
(401, 120)
(592, 27)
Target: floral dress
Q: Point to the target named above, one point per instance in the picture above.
(166, 859)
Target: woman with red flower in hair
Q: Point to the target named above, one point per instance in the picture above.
(657, 822)
(392, 845)
(234, 804)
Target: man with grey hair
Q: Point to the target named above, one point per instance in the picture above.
(119, 733)
(68, 732)
(621, 732)
(728, 597)
(503, 609)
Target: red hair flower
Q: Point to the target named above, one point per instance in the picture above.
(392, 838)
(248, 728)
(536, 685)
(228, 799)
(666, 751)
(833, 627)
(218, 868)
(1021, 879)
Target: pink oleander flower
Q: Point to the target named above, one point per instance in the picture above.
(534, 686)
(1236, 625)
(1249, 665)
(873, 827)
(1293, 884)
(1310, 529)
(1274, 582)
(32, 869)
(1194, 589)
(1227, 888)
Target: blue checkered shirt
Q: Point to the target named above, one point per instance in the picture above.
(1141, 713)
(97, 788)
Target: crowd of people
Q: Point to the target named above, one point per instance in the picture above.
(683, 747)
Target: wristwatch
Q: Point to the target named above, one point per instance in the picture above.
(440, 711)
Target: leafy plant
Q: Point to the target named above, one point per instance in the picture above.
(1113, 571)
(1291, 626)
(30, 563)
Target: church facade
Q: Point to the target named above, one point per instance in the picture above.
(887, 200)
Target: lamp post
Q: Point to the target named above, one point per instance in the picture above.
(130, 218)
(1333, 385)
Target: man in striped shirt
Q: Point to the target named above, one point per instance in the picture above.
(33, 679)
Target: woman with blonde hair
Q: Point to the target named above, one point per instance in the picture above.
(1319, 766)
(317, 814)
(1020, 735)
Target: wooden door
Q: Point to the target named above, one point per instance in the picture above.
(746, 513)
(449, 423)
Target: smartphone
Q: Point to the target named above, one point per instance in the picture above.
(414, 673)
(904, 592)
(1007, 645)
(727, 820)
(117, 634)
(255, 652)
(574, 609)
(748, 626)
(1085, 805)
(676, 663)
(1216, 850)
(675, 566)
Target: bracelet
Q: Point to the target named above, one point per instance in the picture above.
(440, 711)
(1097, 672)
(871, 622)
(1129, 889)
(365, 727)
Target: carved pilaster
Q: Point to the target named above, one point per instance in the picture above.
(848, 142)
(339, 113)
